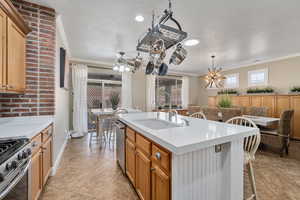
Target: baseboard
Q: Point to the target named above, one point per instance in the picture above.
(59, 157)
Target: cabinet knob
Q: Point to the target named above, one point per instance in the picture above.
(157, 155)
(152, 169)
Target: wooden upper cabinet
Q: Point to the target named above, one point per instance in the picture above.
(143, 180)
(130, 161)
(12, 48)
(295, 105)
(282, 103)
(47, 159)
(160, 184)
(15, 58)
(235, 100)
(3, 21)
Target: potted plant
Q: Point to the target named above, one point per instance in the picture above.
(114, 100)
(266, 90)
(228, 92)
(295, 89)
(225, 102)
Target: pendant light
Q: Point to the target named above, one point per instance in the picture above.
(214, 78)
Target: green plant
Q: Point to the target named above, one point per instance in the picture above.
(114, 99)
(295, 89)
(260, 90)
(225, 102)
(228, 91)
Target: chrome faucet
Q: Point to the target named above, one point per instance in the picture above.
(173, 113)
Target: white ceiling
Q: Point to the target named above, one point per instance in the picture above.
(238, 32)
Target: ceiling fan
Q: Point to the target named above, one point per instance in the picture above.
(124, 64)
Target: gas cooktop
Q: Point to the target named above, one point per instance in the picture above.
(9, 147)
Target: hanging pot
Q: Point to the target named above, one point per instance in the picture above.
(178, 56)
(158, 47)
(163, 69)
(149, 67)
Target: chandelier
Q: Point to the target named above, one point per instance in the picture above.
(214, 78)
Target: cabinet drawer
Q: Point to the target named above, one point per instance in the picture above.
(47, 133)
(143, 144)
(36, 144)
(130, 134)
(161, 157)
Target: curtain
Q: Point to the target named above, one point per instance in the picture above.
(79, 81)
(150, 92)
(126, 95)
(185, 91)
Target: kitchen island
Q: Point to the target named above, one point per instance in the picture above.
(172, 159)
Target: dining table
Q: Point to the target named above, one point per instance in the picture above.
(263, 121)
(103, 113)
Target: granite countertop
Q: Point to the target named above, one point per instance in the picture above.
(198, 135)
(28, 127)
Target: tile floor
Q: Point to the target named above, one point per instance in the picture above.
(92, 174)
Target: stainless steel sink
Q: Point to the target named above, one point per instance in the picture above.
(157, 124)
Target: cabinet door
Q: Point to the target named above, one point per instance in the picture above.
(245, 101)
(295, 105)
(3, 29)
(235, 101)
(142, 183)
(130, 161)
(212, 101)
(47, 159)
(36, 175)
(269, 102)
(15, 58)
(282, 103)
(256, 101)
(160, 184)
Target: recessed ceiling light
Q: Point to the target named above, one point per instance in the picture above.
(191, 42)
(139, 18)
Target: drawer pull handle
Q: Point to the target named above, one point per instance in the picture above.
(157, 155)
(152, 169)
(34, 144)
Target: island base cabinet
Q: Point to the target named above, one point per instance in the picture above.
(36, 178)
(130, 161)
(160, 184)
(143, 184)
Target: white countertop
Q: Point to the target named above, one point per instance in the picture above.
(28, 127)
(109, 111)
(198, 135)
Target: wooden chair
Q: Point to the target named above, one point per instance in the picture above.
(257, 111)
(199, 115)
(251, 144)
(283, 132)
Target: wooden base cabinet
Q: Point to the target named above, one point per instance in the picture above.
(36, 172)
(142, 183)
(146, 171)
(41, 162)
(160, 184)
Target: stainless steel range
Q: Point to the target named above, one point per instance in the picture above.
(15, 161)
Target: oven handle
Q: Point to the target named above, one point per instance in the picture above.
(15, 181)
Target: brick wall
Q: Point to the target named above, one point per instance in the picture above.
(39, 97)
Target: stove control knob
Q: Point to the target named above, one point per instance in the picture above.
(9, 166)
(29, 152)
(24, 155)
(1, 177)
(20, 157)
(14, 164)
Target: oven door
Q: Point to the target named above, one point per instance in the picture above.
(18, 189)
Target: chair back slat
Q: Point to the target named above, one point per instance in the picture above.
(199, 115)
(251, 143)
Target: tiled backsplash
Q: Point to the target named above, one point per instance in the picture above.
(39, 98)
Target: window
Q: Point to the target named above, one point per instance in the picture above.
(168, 89)
(99, 89)
(258, 77)
(232, 81)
